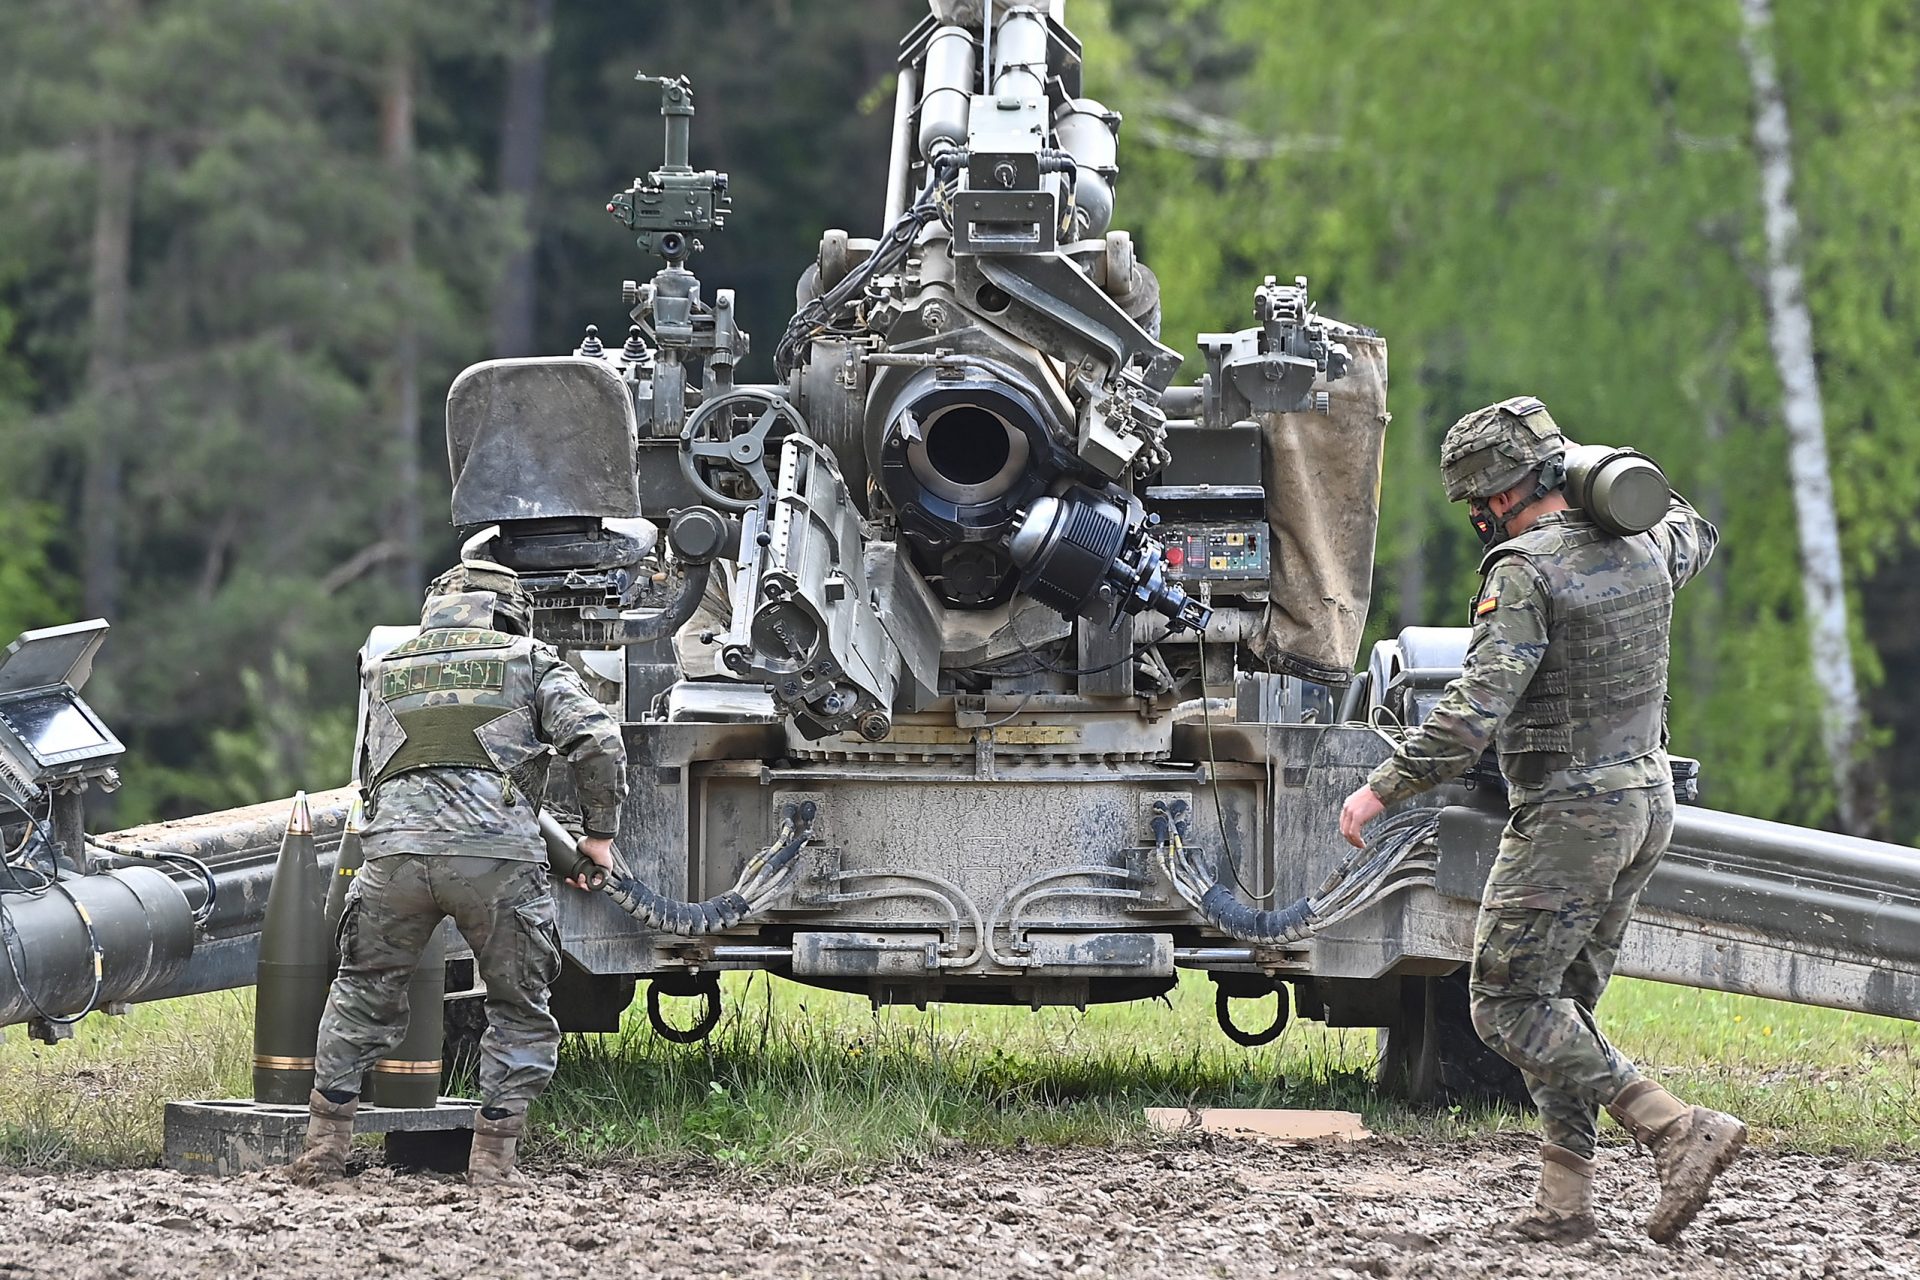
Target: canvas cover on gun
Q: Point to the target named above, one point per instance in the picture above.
(1322, 478)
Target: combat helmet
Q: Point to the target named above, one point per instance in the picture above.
(477, 593)
(1492, 449)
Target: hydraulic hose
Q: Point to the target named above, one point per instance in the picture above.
(765, 877)
(1238, 920)
(671, 915)
(1386, 865)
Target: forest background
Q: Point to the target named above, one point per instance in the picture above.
(246, 244)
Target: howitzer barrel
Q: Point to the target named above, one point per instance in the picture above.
(142, 916)
(240, 845)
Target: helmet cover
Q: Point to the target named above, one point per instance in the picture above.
(1494, 448)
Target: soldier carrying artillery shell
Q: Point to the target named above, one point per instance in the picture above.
(1566, 675)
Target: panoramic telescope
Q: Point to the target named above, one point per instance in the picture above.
(999, 647)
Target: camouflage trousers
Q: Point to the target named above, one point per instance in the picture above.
(1551, 920)
(504, 909)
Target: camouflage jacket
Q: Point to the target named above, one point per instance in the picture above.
(477, 789)
(1514, 621)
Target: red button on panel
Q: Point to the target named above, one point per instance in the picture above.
(1176, 555)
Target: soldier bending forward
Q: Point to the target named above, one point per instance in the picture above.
(460, 720)
(1567, 674)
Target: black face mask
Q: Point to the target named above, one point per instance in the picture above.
(1488, 527)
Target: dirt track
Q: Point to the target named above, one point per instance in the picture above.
(1184, 1208)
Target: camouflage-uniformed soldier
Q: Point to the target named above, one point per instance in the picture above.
(1566, 675)
(461, 723)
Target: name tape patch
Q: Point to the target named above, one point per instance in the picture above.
(443, 638)
(452, 676)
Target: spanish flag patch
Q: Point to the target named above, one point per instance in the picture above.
(1486, 606)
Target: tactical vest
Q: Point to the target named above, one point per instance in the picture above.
(456, 698)
(1599, 696)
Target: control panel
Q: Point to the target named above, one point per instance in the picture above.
(1216, 551)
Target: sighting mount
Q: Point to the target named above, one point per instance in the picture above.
(674, 201)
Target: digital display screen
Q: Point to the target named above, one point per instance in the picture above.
(51, 726)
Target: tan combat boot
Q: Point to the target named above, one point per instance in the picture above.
(329, 1134)
(494, 1144)
(1691, 1147)
(1562, 1210)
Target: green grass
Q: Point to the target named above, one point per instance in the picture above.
(801, 1080)
(98, 1098)
(1815, 1079)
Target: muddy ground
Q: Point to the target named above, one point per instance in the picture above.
(1186, 1207)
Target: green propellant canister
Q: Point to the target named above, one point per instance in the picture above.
(409, 1076)
(1621, 490)
(296, 962)
(564, 856)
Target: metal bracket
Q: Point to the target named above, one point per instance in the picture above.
(1004, 222)
(1070, 313)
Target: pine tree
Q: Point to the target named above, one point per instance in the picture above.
(246, 365)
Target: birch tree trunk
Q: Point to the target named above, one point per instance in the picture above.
(522, 132)
(403, 409)
(1790, 331)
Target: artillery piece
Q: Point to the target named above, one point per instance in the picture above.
(1056, 657)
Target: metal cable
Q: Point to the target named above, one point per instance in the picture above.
(141, 854)
(821, 313)
(1213, 778)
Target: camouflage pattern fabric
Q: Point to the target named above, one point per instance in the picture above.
(492, 809)
(1492, 449)
(1554, 912)
(1516, 616)
(504, 909)
(507, 599)
(1594, 715)
(471, 609)
(1585, 834)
